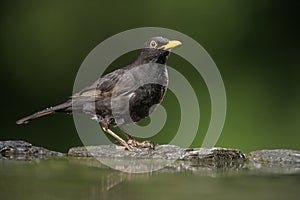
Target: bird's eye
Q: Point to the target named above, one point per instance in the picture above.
(153, 44)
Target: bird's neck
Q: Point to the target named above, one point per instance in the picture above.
(145, 58)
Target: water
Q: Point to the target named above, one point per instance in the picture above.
(64, 178)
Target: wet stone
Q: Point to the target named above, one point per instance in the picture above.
(283, 156)
(169, 158)
(168, 152)
(21, 150)
(113, 151)
(166, 157)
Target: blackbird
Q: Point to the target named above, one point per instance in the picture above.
(124, 96)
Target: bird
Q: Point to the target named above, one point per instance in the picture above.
(124, 96)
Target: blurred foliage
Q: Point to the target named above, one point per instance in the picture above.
(255, 45)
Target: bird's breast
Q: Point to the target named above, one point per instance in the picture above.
(145, 100)
(147, 85)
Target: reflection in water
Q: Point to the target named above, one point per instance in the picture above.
(111, 180)
(87, 178)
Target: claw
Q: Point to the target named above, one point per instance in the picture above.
(145, 145)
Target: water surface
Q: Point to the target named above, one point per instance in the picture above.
(64, 178)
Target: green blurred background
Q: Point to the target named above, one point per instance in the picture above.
(255, 45)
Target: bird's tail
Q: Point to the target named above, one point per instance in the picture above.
(64, 107)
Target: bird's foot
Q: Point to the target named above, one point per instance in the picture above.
(136, 145)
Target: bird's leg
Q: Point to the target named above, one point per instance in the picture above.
(118, 138)
(129, 137)
(134, 143)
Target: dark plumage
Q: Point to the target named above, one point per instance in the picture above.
(125, 95)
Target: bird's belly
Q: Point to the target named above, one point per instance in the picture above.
(145, 100)
(133, 107)
(136, 105)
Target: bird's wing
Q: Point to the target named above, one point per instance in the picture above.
(104, 87)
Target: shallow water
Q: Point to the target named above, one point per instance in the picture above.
(65, 178)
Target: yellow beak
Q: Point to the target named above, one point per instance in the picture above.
(170, 45)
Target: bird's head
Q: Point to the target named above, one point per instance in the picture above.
(157, 49)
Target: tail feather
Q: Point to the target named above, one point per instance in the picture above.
(64, 107)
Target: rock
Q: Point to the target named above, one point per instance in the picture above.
(213, 154)
(167, 157)
(278, 161)
(21, 150)
(168, 152)
(112, 151)
(282, 156)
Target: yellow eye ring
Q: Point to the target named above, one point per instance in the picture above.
(153, 44)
